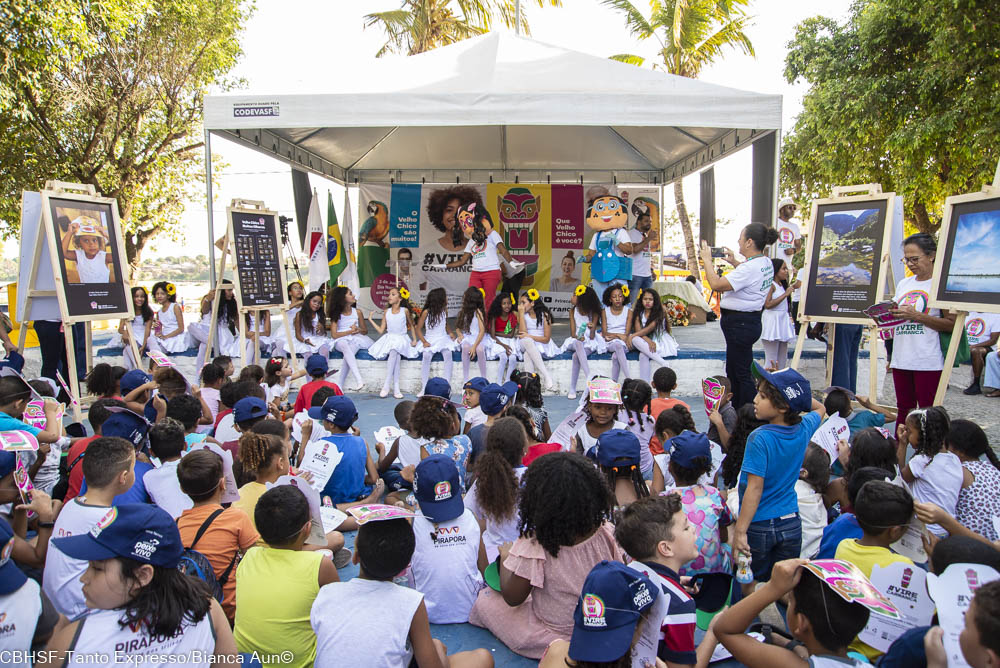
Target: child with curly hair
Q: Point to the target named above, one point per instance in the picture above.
(614, 326)
(168, 330)
(529, 395)
(934, 474)
(564, 507)
(312, 334)
(535, 324)
(648, 332)
(584, 321)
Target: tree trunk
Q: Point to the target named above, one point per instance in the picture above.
(922, 218)
(682, 214)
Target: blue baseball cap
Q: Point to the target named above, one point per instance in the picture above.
(791, 383)
(133, 379)
(138, 531)
(478, 384)
(438, 488)
(126, 424)
(687, 446)
(494, 398)
(613, 598)
(11, 577)
(316, 363)
(338, 409)
(249, 408)
(438, 387)
(617, 447)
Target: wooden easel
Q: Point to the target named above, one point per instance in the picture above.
(46, 234)
(988, 191)
(228, 248)
(847, 194)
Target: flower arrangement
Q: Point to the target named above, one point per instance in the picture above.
(677, 311)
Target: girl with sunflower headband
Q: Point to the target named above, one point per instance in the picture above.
(648, 332)
(470, 328)
(504, 345)
(584, 321)
(398, 339)
(169, 332)
(614, 325)
(432, 330)
(536, 334)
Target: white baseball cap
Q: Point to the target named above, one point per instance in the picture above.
(786, 201)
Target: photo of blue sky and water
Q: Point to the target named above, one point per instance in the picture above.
(847, 246)
(975, 260)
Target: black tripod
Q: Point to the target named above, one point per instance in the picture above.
(289, 251)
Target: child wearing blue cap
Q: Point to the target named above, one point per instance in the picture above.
(494, 400)
(28, 616)
(617, 453)
(132, 428)
(768, 528)
(615, 601)
(448, 557)
(470, 399)
(355, 477)
(141, 605)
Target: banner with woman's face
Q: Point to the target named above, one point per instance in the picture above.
(407, 229)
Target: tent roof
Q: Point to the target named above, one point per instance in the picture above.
(503, 105)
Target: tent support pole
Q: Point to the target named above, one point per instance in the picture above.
(208, 205)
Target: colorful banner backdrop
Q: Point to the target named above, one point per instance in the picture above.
(407, 228)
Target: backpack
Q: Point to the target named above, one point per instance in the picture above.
(197, 565)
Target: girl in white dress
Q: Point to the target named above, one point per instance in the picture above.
(279, 339)
(776, 324)
(263, 338)
(311, 328)
(138, 330)
(398, 339)
(226, 340)
(435, 338)
(584, 321)
(349, 333)
(504, 344)
(614, 325)
(168, 330)
(649, 332)
(470, 330)
(536, 334)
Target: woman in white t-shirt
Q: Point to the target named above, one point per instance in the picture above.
(484, 247)
(744, 291)
(916, 344)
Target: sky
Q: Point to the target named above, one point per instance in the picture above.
(975, 243)
(309, 44)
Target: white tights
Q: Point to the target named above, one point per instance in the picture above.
(619, 363)
(775, 352)
(425, 368)
(467, 359)
(392, 374)
(533, 361)
(645, 356)
(580, 361)
(348, 350)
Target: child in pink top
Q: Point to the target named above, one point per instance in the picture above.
(564, 508)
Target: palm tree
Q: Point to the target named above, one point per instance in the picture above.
(421, 25)
(691, 34)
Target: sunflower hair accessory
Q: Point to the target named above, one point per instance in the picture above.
(512, 299)
(533, 294)
(404, 293)
(624, 289)
(482, 292)
(171, 289)
(638, 295)
(580, 290)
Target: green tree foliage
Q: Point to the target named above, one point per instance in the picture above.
(903, 94)
(421, 25)
(110, 93)
(691, 34)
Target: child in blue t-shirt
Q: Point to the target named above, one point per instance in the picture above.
(768, 529)
(355, 476)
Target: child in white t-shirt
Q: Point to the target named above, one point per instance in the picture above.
(396, 629)
(449, 557)
(166, 440)
(814, 476)
(933, 474)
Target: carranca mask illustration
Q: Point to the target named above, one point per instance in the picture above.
(475, 224)
(606, 213)
(519, 209)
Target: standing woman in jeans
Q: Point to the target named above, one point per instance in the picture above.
(744, 291)
(916, 349)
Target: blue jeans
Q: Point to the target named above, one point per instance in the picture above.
(846, 342)
(599, 287)
(638, 283)
(772, 541)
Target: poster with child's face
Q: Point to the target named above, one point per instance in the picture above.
(85, 248)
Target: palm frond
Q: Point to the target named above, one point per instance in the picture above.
(730, 35)
(628, 59)
(634, 19)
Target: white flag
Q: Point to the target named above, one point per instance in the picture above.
(350, 275)
(319, 269)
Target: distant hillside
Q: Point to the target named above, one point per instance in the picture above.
(868, 229)
(844, 223)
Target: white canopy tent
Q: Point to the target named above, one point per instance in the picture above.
(498, 108)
